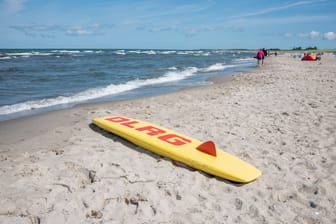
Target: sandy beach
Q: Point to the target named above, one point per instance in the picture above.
(281, 117)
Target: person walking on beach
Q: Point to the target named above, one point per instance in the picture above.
(260, 57)
(265, 52)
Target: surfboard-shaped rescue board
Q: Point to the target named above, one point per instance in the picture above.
(192, 152)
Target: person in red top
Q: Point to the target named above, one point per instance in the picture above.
(260, 57)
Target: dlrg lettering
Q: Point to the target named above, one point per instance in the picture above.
(150, 130)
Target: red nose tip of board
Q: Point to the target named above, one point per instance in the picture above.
(208, 147)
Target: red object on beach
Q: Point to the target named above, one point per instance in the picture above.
(208, 147)
(309, 58)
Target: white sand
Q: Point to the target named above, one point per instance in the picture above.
(57, 168)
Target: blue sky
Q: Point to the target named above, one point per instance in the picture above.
(167, 24)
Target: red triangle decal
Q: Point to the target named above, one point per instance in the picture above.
(208, 147)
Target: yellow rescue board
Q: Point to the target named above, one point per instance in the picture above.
(178, 147)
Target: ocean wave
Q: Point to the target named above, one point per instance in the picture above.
(216, 67)
(28, 54)
(95, 93)
(173, 74)
(244, 60)
(148, 52)
(57, 53)
(67, 51)
(5, 58)
(81, 52)
(151, 52)
(84, 96)
(120, 52)
(168, 52)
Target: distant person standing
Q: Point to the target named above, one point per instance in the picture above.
(265, 51)
(260, 57)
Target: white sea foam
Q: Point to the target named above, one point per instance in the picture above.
(167, 52)
(65, 100)
(182, 52)
(120, 52)
(66, 51)
(149, 52)
(21, 54)
(31, 53)
(95, 93)
(5, 58)
(173, 74)
(216, 67)
(244, 60)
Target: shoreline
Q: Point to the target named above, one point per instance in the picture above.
(48, 93)
(41, 111)
(20, 123)
(58, 168)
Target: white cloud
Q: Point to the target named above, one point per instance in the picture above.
(37, 30)
(95, 29)
(314, 34)
(52, 30)
(279, 8)
(14, 6)
(187, 31)
(78, 31)
(303, 34)
(288, 34)
(329, 36)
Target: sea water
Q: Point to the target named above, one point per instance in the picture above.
(35, 81)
